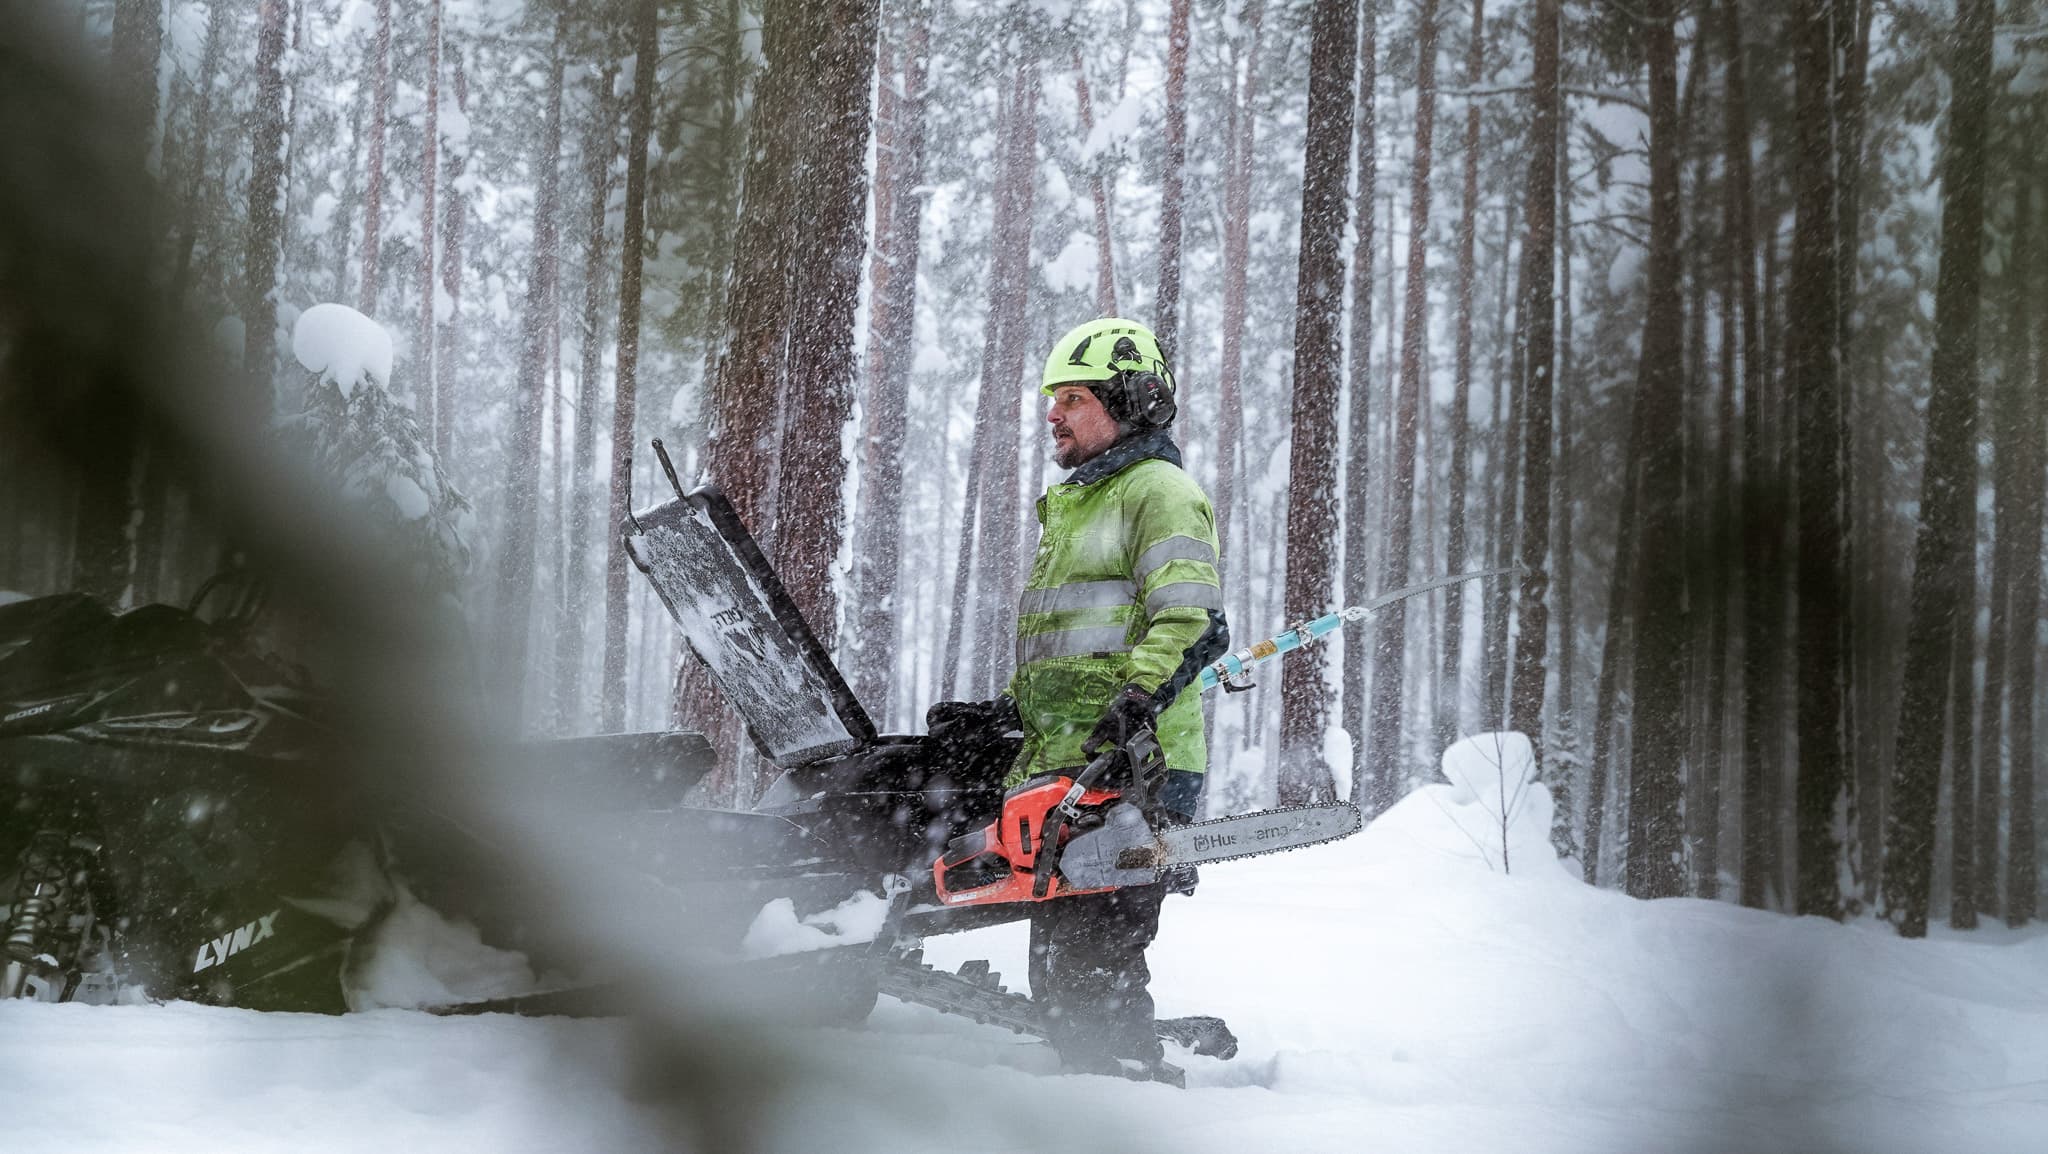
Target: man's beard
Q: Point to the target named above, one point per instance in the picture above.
(1066, 451)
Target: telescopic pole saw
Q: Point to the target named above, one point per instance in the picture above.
(1233, 671)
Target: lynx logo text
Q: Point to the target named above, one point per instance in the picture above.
(227, 945)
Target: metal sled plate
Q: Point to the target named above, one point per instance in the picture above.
(740, 621)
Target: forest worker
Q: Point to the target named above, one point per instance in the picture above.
(1121, 611)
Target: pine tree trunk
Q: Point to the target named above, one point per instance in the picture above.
(135, 43)
(1760, 515)
(430, 173)
(1002, 369)
(1358, 469)
(2022, 883)
(1318, 359)
(1812, 329)
(263, 236)
(1496, 656)
(647, 38)
(373, 188)
(454, 216)
(1105, 256)
(1447, 711)
(1564, 545)
(891, 338)
(1655, 820)
(1237, 183)
(826, 256)
(1962, 753)
(599, 150)
(1525, 710)
(1941, 551)
(1383, 742)
(517, 559)
(1173, 165)
(202, 137)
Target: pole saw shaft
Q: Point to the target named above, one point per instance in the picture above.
(1236, 666)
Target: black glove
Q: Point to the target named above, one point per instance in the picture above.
(1132, 711)
(971, 722)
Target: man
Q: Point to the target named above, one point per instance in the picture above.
(1121, 611)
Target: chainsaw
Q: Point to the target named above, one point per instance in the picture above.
(1060, 835)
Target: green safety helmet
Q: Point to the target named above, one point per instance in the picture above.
(1120, 361)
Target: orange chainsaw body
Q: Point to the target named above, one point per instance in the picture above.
(999, 863)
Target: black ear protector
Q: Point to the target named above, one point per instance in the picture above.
(1144, 396)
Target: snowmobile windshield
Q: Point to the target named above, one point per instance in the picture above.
(741, 622)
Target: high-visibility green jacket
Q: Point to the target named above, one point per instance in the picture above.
(1123, 591)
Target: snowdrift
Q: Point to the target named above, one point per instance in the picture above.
(1410, 989)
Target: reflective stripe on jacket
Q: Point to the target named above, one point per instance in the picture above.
(1121, 587)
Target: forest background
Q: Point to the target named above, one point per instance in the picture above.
(1726, 322)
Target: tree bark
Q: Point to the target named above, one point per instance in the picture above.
(454, 216)
(617, 604)
(599, 150)
(1525, 709)
(1318, 362)
(1383, 743)
(825, 285)
(1002, 371)
(423, 357)
(263, 237)
(1760, 512)
(1461, 398)
(522, 482)
(1358, 469)
(373, 188)
(1657, 750)
(2022, 885)
(1237, 184)
(891, 351)
(1941, 553)
(202, 138)
(1105, 256)
(1812, 330)
(1166, 314)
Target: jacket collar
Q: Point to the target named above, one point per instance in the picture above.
(1145, 446)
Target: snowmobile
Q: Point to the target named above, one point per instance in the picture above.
(175, 833)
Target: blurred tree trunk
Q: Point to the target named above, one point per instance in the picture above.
(1760, 513)
(202, 139)
(373, 186)
(1240, 140)
(891, 352)
(632, 247)
(1657, 751)
(1962, 753)
(1525, 711)
(264, 233)
(1390, 637)
(1863, 848)
(1002, 371)
(1098, 182)
(1358, 468)
(455, 214)
(1941, 552)
(1166, 313)
(824, 290)
(430, 174)
(517, 560)
(1565, 558)
(1811, 373)
(1493, 693)
(1461, 395)
(600, 148)
(2024, 614)
(136, 42)
(1318, 363)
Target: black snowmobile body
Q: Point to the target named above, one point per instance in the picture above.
(172, 825)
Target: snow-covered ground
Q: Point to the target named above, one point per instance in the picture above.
(1393, 992)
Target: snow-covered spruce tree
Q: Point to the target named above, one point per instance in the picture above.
(354, 434)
